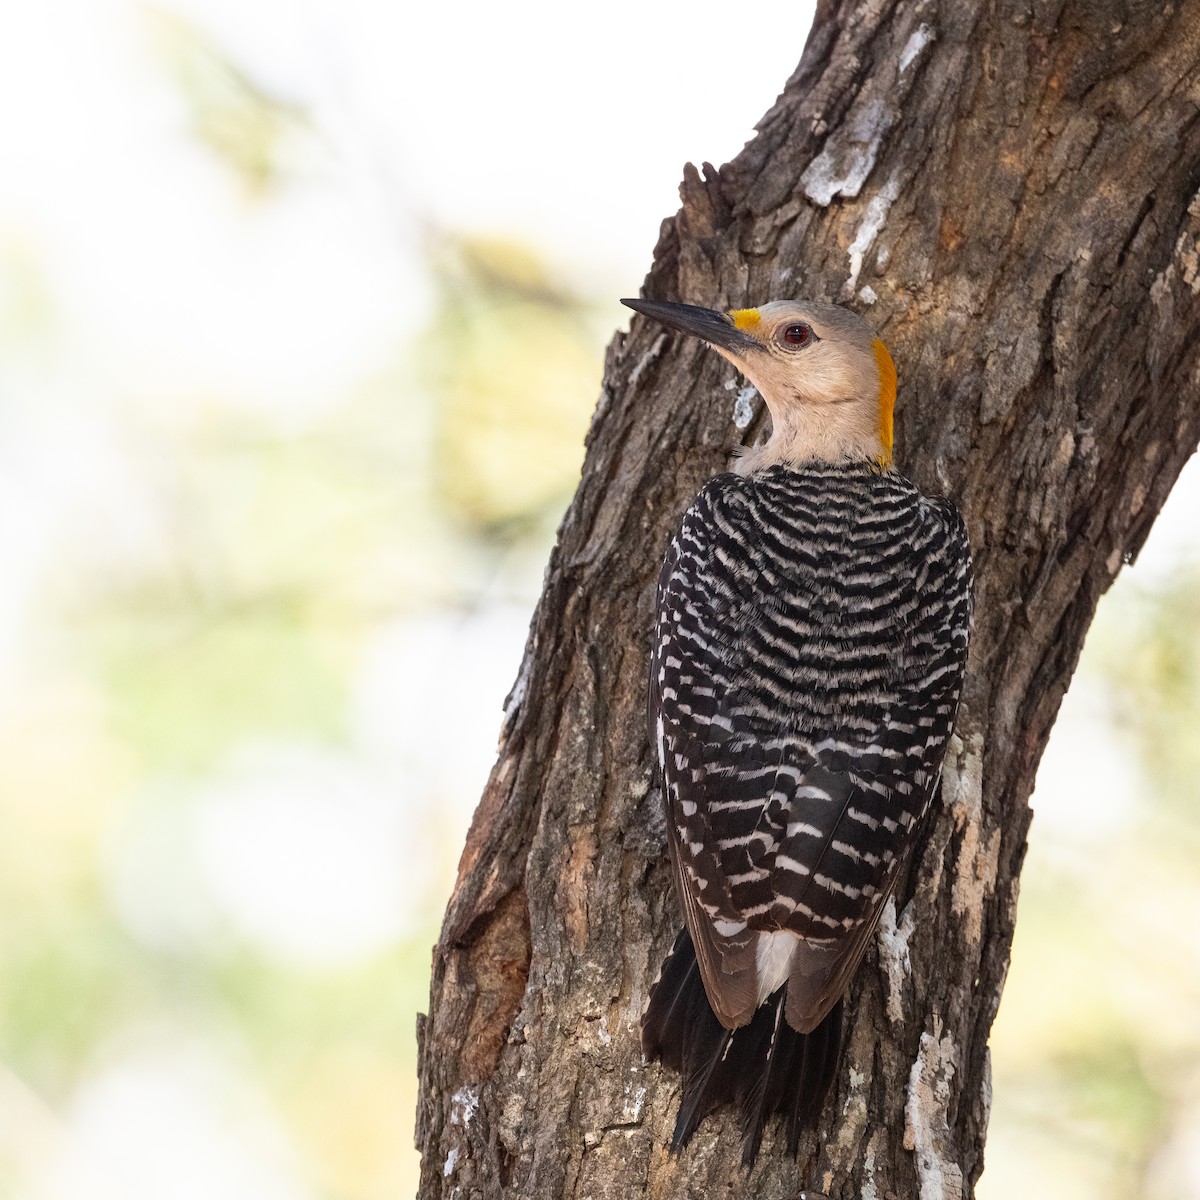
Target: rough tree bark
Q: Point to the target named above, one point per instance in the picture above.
(1010, 190)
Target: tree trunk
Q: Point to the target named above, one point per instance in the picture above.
(1009, 191)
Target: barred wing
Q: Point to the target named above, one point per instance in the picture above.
(811, 638)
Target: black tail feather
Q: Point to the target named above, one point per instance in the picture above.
(821, 1050)
(670, 999)
(763, 1068)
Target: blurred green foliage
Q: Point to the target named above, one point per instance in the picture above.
(1097, 1045)
(276, 553)
(236, 118)
(508, 354)
(1154, 684)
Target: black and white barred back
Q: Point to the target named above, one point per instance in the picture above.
(809, 652)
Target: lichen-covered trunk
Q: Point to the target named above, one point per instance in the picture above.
(1009, 190)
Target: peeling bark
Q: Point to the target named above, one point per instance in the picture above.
(1013, 191)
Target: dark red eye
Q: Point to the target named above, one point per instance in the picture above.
(797, 335)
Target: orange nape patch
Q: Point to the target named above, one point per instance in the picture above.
(887, 396)
(746, 319)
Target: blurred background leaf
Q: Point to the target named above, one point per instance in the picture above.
(250, 130)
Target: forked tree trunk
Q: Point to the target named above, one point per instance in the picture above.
(1009, 190)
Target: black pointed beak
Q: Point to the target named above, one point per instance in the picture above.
(713, 327)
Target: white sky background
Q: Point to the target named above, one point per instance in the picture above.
(566, 125)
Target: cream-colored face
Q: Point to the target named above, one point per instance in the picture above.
(807, 354)
(827, 379)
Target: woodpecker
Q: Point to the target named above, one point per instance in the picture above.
(813, 614)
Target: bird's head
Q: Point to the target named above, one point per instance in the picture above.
(828, 381)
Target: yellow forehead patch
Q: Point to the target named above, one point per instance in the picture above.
(887, 397)
(746, 319)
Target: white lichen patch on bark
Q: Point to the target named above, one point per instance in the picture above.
(843, 165)
(846, 1148)
(743, 406)
(854, 1114)
(463, 1106)
(635, 1103)
(1160, 289)
(978, 859)
(1188, 251)
(915, 46)
(868, 231)
(926, 1127)
(894, 958)
(869, 1191)
(868, 1187)
(985, 1086)
(642, 363)
(516, 697)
